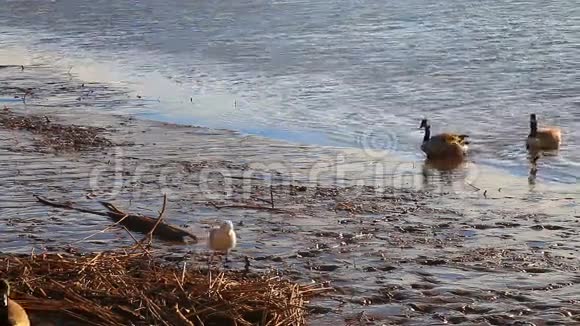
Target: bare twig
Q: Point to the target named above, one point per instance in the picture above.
(182, 317)
(183, 272)
(101, 231)
(137, 242)
(159, 219)
(272, 196)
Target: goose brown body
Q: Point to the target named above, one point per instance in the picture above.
(11, 313)
(444, 145)
(542, 139)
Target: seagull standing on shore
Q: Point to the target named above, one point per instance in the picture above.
(222, 239)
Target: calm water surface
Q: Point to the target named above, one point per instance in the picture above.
(348, 73)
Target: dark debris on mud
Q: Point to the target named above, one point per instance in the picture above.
(343, 201)
(53, 136)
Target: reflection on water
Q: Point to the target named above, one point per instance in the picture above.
(445, 165)
(444, 173)
(533, 169)
(534, 159)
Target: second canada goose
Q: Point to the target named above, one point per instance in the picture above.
(542, 139)
(11, 313)
(443, 146)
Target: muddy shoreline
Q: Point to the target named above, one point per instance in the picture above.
(397, 249)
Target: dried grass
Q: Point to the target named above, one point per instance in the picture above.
(117, 288)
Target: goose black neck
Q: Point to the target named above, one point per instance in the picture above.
(533, 127)
(427, 133)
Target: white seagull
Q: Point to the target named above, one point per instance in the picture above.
(222, 239)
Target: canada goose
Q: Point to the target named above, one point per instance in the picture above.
(222, 239)
(542, 139)
(11, 313)
(442, 146)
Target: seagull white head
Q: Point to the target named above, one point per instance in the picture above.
(227, 225)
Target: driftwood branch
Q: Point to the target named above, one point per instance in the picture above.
(136, 223)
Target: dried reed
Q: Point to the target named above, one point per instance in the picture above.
(117, 288)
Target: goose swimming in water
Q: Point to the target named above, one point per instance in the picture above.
(444, 145)
(542, 139)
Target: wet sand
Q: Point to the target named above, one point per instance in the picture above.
(472, 247)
